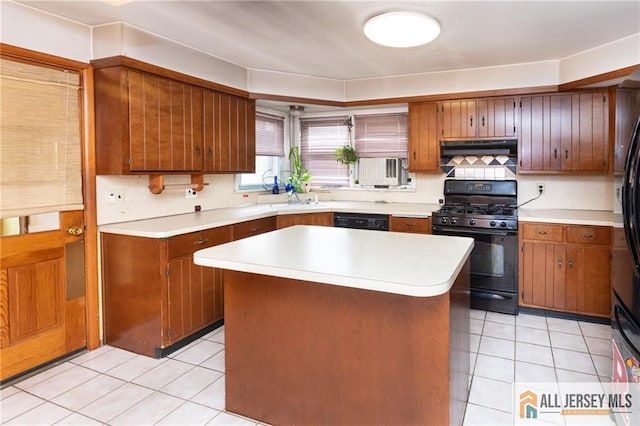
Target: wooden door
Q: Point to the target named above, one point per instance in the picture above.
(542, 275)
(458, 119)
(588, 278)
(165, 124)
(496, 118)
(590, 133)
(424, 148)
(229, 132)
(42, 296)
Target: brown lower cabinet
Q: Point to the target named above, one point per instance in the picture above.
(320, 219)
(416, 225)
(565, 268)
(155, 297)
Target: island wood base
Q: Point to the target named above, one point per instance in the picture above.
(305, 353)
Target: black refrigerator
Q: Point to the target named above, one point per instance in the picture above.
(625, 321)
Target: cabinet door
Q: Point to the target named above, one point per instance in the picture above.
(545, 132)
(458, 119)
(179, 300)
(496, 118)
(229, 127)
(590, 133)
(588, 278)
(165, 124)
(424, 148)
(542, 275)
(320, 219)
(416, 225)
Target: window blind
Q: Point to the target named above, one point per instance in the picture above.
(319, 139)
(40, 149)
(269, 135)
(381, 135)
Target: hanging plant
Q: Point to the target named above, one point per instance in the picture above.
(346, 155)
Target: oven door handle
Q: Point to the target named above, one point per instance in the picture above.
(440, 230)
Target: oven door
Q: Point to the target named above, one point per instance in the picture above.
(493, 262)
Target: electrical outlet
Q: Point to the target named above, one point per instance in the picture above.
(115, 196)
(190, 193)
(541, 188)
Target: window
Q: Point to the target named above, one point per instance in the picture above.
(319, 139)
(269, 151)
(381, 135)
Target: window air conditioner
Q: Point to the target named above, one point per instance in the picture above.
(379, 171)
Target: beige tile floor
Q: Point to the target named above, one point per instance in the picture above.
(115, 387)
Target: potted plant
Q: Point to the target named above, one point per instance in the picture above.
(346, 155)
(300, 177)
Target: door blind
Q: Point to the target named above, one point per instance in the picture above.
(40, 149)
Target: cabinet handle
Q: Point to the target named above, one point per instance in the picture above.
(411, 224)
(555, 154)
(566, 154)
(483, 121)
(210, 152)
(414, 155)
(540, 232)
(197, 150)
(570, 262)
(257, 228)
(471, 121)
(559, 262)
(587, 235)
(201, 241)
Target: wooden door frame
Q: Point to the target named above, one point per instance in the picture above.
(87, 120)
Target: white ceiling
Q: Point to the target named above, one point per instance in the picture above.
(325, 39)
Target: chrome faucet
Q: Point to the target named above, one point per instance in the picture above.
(293, 197)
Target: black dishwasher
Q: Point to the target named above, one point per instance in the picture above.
(378, 222)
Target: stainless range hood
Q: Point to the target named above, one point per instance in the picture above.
(507, 147)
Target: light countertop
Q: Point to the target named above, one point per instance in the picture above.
(568, 217)
(409, 264)
(169, 226)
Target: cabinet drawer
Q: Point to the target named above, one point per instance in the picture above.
(419, 225)
(253, 227)
(542, 232)
(186, 244)
(600, 235)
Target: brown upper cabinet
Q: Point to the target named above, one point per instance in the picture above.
(424, 148)
(229, 133)
(146, 123)
(566, 132)
(150, 120)
(478, 118)
(627, 109)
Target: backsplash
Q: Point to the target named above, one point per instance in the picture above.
(492, 167)
(561, 192)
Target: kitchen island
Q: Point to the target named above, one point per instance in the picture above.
(343, 326)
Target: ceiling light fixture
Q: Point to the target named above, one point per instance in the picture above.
(401, 29)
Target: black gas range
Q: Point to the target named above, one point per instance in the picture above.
(487, 212)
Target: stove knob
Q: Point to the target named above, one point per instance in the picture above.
(443, 220)
(492, 223)
(453, 220)
(472, 222)
(503, 224)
